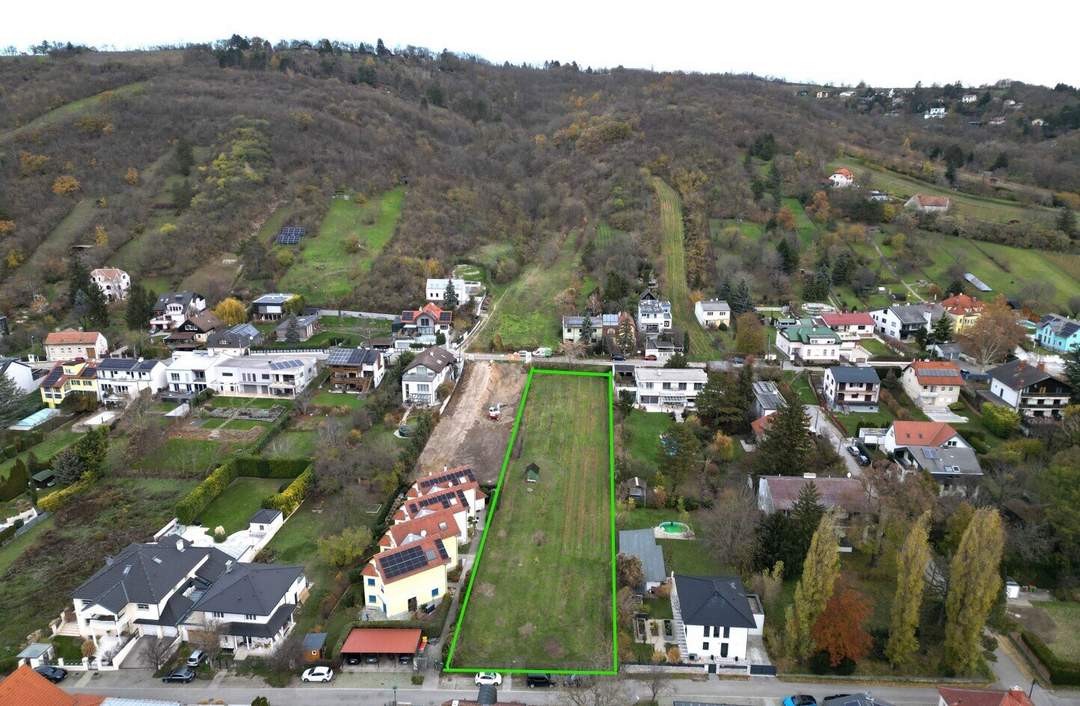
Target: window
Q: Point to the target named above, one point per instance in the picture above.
(143, 606)
(716, 631)
(704, 647)
(219, 615)
(434, 592)
(250, 616)
(371, 599)
(371, 582)
(727, 631)
(723, 649)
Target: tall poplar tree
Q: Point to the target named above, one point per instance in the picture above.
(814, 589)
(911, 564)
(974, 583)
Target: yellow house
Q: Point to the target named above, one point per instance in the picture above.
(962, 310)
(401, 580)
(67, 378)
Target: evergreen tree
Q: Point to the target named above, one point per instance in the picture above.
(789, 256)
(586, 330)
(91, 450)
(1066, 222)
(381, 49)
(724, 292)
(740, 301)
(185, 156)
(292, 331)
(787, 442)
(774, 180)
(134, 314)
(842, 269)
(78, 280)
(814, 589)
(97, 313)
(677, 360)
(1072, 372)
(711, 400)
(941, 332)
(10, 397)
(911, 564)
(974, 584)
(67, 467)
(450, 299)
(626, 335)
(806, 515)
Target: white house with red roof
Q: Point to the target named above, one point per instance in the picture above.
(924, 203)
(932, 384)
(842, 178)
(428, 320)
(937, 449)
(71, 344)
(113, 283)
(850, 325)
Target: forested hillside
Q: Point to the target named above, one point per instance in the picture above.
(179, 165)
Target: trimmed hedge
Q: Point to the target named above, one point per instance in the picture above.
(7, 533)
(1062, 672)
(260, 467)
(16, 483)
(200, 497)
(59, 498)
(272, 430)
(290, 498)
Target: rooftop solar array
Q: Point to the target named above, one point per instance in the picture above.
(285, 364)
(290, 235)
(445, 499)
(442, 549)
(937, 373)
(461, 475)
(403, 562)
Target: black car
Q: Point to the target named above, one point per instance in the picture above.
(541, 680)
(618, 356)
(183, 675)
(352, 659)
(371, 659)
(53, 674)
(404, 659)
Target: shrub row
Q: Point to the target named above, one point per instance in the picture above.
(7, 533)
(270, 432)
(59, 498)
(259, 467)
(1062, 672)
(16, 483)
(290, 498)
(193, 504)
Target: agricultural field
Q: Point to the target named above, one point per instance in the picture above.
(549, 541)
(804, 227)
(349, 239)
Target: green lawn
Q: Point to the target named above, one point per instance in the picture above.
(683, 556)
(876, 348)
(676, 289)
(804, 227)
(645, 429)
(801, 385)
(748, 229)
(293, 444)
(53, 443)
(328, 262)
(541, 592)
(238, 502)
(244, 424)
(185, 456)
(1065, 638)
(11, 551)
(260, 402)
(338, 399)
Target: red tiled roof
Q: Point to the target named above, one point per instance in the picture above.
(439, 524)
(760, 424)
(983, 697)
(381, 641)
(926, 200)
(922, 433)
(26, 687)
(961, 304)
(71, 337)
(844, 171)
(922, 374)
(849, 318)
(845, 493)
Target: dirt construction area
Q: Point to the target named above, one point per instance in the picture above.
(465, 436)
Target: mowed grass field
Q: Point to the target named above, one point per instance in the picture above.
(542, 596)
(326, 265)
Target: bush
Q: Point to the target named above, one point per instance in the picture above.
(59, 498)
(16, 483)
(418, 679)
(1062, 672)
(819, 662)
(292, 496)
(200, 497)
(846, 667)
(1002, 421)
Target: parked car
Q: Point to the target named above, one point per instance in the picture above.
(542, 353)
(524, 353)
(323, 674)
(429, 608)
(618, 357)
(371, 659)
(491, 678)
(539, 680)
(352, 660)
(404, 659)
(800, 700)
(858, 455)
(650, 357)
(196, 658)
(182, 674)
(53, 674)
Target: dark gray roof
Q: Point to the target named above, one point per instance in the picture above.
(267, 629)
(249, 589)
(915, 313)
(855, 374)
(768, 394)
(301, 321)
(1061, 325)
(127, 364)
(141, 573)
(946, 460)
(1019, 374)
(353, 357)
(314, 641)
(234, 336)
(264, 516)
(183, 298)
(642, 544)
(714, 600)
(435, 358)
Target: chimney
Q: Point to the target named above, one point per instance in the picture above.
(1041, 366)
(179, 545)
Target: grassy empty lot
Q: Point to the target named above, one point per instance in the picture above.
(292, 444)
(237, 503)
(53, 443)
(185, 456)
(641, 435)
(541, 594)
(261, 402)
(327, 263)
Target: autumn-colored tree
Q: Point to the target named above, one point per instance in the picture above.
(14, 258)
(749, 334)
(814, 589)
(231, 310)
(101, 236)
(6, 227)
(785, 219)
(30, 163)
(65, 184)
(839, 629)
(132, 176)
(819, 208)
(911, 564)
(974, 584)
(995, 334)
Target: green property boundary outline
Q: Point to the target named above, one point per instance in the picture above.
(490, 517)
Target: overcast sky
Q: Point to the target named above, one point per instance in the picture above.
(840, 42)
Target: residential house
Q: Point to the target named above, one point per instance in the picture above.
(808, 342)
(356, 369)
(273, 306)
(850, 325)
(171, 588)
(963, 310)
(25, 687)
(932, 384)
(936, 448)
(602, 325)
(711, 313)
(935, 112)
(251, 606)
(191, 372)
(425, 374)
(70, 344)
(848, 498)
(642, 544)
(113, 283)
(821, 94)
(424, 323)
(714, 617)
(71, 377)
(946, 351)
(194, 331)
(654, 316)
(876, 195)
(455, 489)
(122, 379)
(1029, 389)
(1038, 122)
(852, 388)
(305, 326)
(282, 375)
(924, 203)
(904, 321)
(842, 178)
(464, 289)
(400, 581)
(969, 98)
(668, 389)
(236, 340)
(21, 374)
(1058, 333)
(173, 308)
(949, 696)
(661, 346)
(767, 398)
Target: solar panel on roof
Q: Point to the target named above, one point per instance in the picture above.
(930, 453)
(442, 549)
(290, 235)
(937, 373)
(403, 562)
(285, 364)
